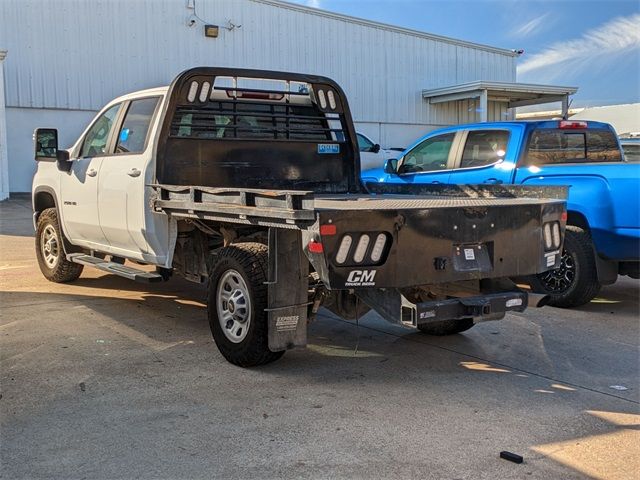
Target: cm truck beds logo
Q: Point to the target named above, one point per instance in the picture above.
(361, 278)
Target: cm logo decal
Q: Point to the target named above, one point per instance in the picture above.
(361, 278)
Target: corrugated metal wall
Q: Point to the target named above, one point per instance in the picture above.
(67, 58)
(78, 54)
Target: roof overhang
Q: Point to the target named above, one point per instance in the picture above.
(514, 94)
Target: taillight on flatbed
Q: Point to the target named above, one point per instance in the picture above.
(315, 247)
(363, 249)
(328, 230)
(569, 124)
(551, 235)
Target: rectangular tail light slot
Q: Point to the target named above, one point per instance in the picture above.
(363, 249)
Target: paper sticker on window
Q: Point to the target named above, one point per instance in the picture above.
(124, 135)
(468, 254)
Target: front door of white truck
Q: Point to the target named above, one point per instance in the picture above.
(121, 188)
(79, 187)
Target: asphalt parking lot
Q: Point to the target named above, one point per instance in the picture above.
(106, 378)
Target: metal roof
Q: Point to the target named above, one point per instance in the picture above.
(515, 94)
(386, 26)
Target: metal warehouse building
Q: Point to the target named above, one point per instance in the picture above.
(64, 59)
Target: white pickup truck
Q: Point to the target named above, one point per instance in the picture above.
(249, 181)
(372, 155)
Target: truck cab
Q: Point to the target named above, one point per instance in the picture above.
(100, 187)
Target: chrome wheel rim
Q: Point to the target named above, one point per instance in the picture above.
(50, 246)
(561, 279)
(234, 306)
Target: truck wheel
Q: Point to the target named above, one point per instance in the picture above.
(446, 327)
(575, 282)
(50, 251)
(237, 301)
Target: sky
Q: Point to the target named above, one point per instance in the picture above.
(590, 44)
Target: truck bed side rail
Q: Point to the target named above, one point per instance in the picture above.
(472, 191)
(283, 208)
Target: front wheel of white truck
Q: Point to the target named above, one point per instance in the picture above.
(50, 250)
(237, 298)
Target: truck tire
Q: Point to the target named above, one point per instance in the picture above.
(446, 327)
(237, 298)
(50, 250)
(575, 282)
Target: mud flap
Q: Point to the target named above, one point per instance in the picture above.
(288, 284)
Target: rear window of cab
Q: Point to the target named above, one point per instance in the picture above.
(552, 146)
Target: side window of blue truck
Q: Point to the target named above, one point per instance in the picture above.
(431, 155)
(484, 147)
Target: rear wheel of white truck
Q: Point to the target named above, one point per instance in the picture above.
(50, 251)
(446, 327)
(237, 299)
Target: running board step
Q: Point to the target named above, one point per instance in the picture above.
(115, 268)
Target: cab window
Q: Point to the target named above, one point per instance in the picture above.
(552, 146)
(484, 147)
(430, 155)
(95, 141)
(364, 144)
(133, 133)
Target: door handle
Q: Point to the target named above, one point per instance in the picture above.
(494, 181)
(92, 173)
(134, 172)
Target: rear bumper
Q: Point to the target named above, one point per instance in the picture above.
(486, 307)
(396, 308)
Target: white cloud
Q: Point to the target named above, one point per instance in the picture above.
(530, 26)
(596, 49)
(313, 3)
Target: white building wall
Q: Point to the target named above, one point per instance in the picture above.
(22, 122)
(74, 55)
(625, 118)
(4, 160)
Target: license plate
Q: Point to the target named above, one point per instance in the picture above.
(471, 257)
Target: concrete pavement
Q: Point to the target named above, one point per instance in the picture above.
(106, 378)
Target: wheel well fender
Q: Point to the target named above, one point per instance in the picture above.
(607, 269)
(43, 198)
(577, 219)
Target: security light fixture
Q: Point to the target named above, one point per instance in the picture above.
(211, 31)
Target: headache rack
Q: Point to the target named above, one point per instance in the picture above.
(219, 130)
(256, 117)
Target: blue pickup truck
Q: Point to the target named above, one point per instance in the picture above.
(603, 225)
